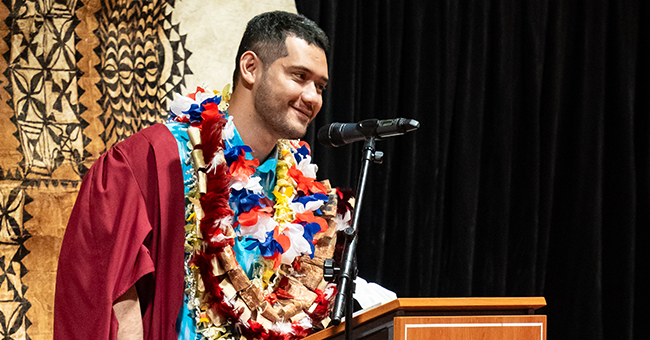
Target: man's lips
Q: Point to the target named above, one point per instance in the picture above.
(305, 112)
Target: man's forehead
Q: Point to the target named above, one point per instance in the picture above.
(300, 49)
(298, 42)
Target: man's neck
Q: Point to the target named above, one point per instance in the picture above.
(253, 135)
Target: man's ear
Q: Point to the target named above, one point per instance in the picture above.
(250, 65)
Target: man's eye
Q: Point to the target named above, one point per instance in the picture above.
(300, 76)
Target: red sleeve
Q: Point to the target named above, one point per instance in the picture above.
(130, 207)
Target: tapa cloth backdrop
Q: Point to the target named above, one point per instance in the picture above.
(77, 77)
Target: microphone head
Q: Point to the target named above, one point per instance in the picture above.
(324, 135)
(330, 135)
(338, 134)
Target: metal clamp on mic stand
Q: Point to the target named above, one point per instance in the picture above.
(348, 269)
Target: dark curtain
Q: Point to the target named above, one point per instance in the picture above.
(530, 174)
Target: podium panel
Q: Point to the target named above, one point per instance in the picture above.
(531, 327)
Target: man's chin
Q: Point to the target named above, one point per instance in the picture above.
(298, 129)
(296, 133)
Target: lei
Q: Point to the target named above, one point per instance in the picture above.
(294, 230)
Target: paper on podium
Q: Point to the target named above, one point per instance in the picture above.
(370, 294)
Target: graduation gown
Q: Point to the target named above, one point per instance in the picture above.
(127, 226)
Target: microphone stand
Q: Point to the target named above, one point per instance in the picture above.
(344, 297)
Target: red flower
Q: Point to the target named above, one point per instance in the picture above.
(282, 294)
(306, 184)
(254, 330)
(284, 242)
(323, 305)
(296, 264)
(243, 167)
(211, 111)
(299, 332)
(193, 95)
(271, 298)
(248, 218)
(317, 188)
(308, 217)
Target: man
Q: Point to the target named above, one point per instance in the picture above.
(120, 273)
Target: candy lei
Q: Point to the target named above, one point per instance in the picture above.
(287, 296)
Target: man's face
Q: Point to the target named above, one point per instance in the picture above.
(289, 95)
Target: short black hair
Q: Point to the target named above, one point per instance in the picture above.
(266, 35)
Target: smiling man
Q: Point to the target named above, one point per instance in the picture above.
(128, 267)
(278, 89)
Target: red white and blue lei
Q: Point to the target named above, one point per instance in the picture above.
(272, 228)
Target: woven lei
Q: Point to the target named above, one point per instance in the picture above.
(227, 201)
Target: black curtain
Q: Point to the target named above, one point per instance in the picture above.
(530, 174)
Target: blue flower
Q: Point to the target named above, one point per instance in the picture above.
(232, 154)
(310, 230)
(195, 113)
(315, 197)
(214, 99)
(248, 202)
(242, 201)
(269, 247)
(302, 153)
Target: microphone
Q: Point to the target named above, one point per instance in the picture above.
(337, 134)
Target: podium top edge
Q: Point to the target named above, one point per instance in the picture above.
(468, 302)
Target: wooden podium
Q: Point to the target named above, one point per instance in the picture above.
(447, 319)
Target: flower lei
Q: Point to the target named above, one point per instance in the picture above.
(227, 201)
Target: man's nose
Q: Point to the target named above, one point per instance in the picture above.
(310, 95)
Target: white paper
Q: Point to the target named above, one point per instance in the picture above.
(370, 294)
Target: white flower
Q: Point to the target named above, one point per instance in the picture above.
(342, 222)
(202, 96)
(306, 322)
(258, 231)
(300, 208)
(220, 238)
(297, 207)
(282, 327)
(308, 169)
(251, 184)
(298, 246)
(314, 205)
(223, 223)
(238, 183)
(180, 104)
(228, 131)
(254, 185)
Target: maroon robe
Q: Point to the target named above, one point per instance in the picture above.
(127, 226)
